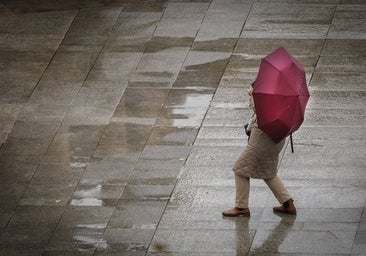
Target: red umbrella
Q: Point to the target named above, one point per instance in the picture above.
(280, 94)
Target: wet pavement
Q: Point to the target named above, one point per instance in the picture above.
(120, 121)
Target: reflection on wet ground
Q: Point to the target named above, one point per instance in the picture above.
(120, 121)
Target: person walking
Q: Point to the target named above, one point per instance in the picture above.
(259, 160)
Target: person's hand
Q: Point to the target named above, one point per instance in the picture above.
(250, 91)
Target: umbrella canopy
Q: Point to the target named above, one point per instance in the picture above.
(280, 94)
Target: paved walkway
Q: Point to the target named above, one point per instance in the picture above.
(120, 121)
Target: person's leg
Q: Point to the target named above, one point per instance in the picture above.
(242, 186)
(282, 195)
(278, 189)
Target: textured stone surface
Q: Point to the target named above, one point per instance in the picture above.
(120, 122)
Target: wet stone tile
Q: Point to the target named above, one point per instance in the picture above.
(141, 102)
(153, 77)
(83, 239)
(45, 195)
(221, 135)
(264, 21)
(157, 43)
(35, 237)
(206, 172)
(202, 241)
(13, 171)
(118, 61)
(348, 22)
(337, 81)
(76, 141)
(97, 93)
(137, 214)
(91, 26)
(189, 98)
(126, 43)
(154, 172)
(228, 182)
(226, 116)
(107, 171)
(241, 62)
(167, 60)
(230, 95)
(29, 58)
(103, 252)
(218, 45)
(34, 129)
(181, 9)
(96, 75)
(206, 61)
(25, 146)
(331, 117)
(93, 217)
(13, 188)
(8, 116)
(322, 174)
(220, 196)
(15, 92)
(136, 24)
(54, 92)
(31, 227)
(181, 116)
(16, 251)
(12, 73)
(341, 64)
(218, 25)
(344, 47)
(8, 206)
(214, 155)
(200, 79)
(81, 228)
(172, 136)
(148, 192)
(331, 226)
(304, 242)
(337, 99)
(89, 115)
(152, 152)
(206, 218)
(263, 46)
(87, 40)
(66, 74)
(42, 113)
(98, 192)
(121, 240)
(121, 139)
(324, 151)
(75, 57)
(153, 6)
(38, 23)
(347, 197)
(30, 42)
(178, 27)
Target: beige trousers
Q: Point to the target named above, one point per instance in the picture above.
(242, 185)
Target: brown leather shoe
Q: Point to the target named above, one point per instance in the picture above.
(236, 212)
(287, 207)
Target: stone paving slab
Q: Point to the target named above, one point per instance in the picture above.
(120, 121)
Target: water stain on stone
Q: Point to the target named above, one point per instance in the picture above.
(217, 65)
(159, 247)
(219, 45)
(157, 44)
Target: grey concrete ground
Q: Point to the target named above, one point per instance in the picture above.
(120, 121)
